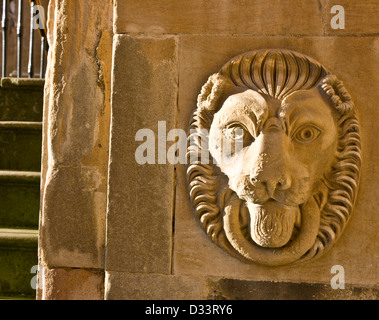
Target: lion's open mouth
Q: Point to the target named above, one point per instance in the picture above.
(272, 224)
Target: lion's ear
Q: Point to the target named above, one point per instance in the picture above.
(337, 92)
(211, 93)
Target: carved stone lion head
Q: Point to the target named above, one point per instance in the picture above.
(286, 194)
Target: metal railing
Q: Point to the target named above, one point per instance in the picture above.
(37, 21)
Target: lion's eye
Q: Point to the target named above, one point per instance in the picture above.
(237, 132)
(307, 134)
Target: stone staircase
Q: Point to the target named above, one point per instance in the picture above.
(21, 104)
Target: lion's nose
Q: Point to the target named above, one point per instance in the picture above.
(272, 182)
(270, 167)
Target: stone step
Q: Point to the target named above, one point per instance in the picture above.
(16, 297)
(18, 258)
(20, 199)
(21, 99)
(20, 145)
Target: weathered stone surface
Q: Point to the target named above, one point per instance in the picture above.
(72, 234)
(215, 17)
(70, 284)
(76, 134)
(235, 289)
(139, 220)
(193, 254)
(127, 286)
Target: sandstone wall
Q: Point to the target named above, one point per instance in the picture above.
(136, 227)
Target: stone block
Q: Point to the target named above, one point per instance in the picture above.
(254, 17)
(356, 250)
(126, 286)
(236, 289)
(140, 206)
(73, 232)
(77, 102)
(70, 284)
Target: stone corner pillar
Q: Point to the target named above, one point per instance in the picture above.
(75, 149)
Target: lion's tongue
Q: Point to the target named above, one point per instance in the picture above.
(271, 224)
